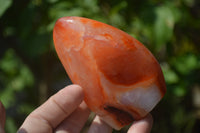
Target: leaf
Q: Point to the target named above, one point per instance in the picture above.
(62, 9)
(52, 1)
(163, 25)
(10, 125)
(22, 80)
(166, 16)
(7, 97)
(116, 18)
(90, 5)
(180, 91)
(186, 63)
(4, 5)
(9, 62)
(170, 76)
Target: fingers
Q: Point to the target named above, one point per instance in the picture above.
(99, 126)
(142, 126)
(54, 110)
(2, 118)
(75, 122)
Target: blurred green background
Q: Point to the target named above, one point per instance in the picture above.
(30, 70)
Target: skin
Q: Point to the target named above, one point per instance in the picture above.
(66, 112)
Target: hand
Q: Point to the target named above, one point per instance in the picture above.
(66, 112)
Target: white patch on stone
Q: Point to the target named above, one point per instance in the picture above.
(142, 98)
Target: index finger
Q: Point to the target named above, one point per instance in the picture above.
(54, 110)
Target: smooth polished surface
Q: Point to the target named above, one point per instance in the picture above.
(122, 80)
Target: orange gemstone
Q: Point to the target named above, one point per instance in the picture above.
(122, 80)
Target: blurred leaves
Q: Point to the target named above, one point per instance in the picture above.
(30, 70)
(115, 18)
(170, 75)
(11, 124)
(186, 63)
(166, 16)
(4, 5)
(15, 76)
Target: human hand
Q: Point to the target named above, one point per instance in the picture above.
(66, 112)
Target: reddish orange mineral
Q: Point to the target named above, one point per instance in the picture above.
(122, 80)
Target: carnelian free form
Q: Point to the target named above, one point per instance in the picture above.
(121, 79)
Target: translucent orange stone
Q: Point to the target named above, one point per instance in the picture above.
(122, 80)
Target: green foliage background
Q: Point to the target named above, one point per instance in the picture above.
(30, 71)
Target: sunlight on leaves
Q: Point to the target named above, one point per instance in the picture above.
(169, 75)
(4, 5)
